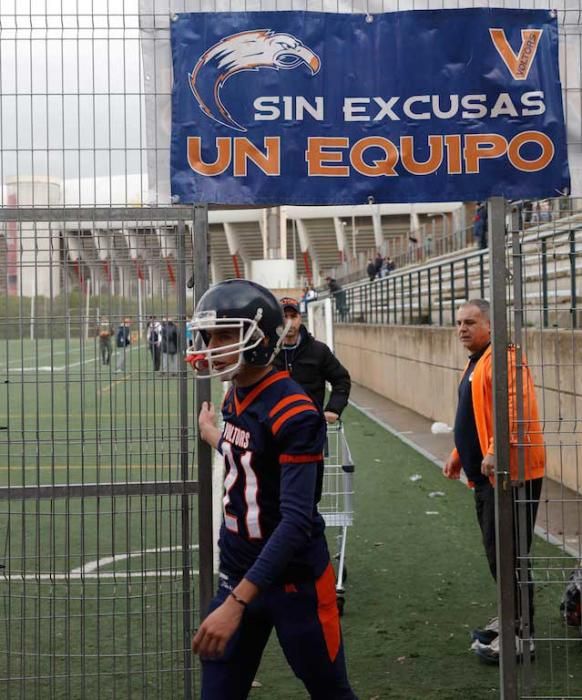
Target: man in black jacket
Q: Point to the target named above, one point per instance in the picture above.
(311, 363)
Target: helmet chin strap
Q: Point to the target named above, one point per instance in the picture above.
(229, 375)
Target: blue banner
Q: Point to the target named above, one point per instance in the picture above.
(316, 108)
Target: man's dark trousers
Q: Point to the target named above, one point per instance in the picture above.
(485, 507)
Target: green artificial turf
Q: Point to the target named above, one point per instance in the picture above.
(417, 577)
(418, 582)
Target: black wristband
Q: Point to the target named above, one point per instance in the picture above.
(238, 599)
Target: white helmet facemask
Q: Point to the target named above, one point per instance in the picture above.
(203, 359)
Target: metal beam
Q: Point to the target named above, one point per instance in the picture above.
(503, 488)
(102, 490)
(203, 450)
(95, 214)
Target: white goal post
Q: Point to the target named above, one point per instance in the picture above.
(320, 320)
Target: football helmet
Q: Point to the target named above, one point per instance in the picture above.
(239, 305)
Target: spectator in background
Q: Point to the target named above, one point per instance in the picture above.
(123, 341)
(485, 219)
(428, 245)
(311, 364)
(169, 347)
(189, 334)
(385, 271)
(412, 249)
(311, 294)
(371, 270)
(378, 263)
(545, 211)
(154, 340)
(105, 332)
(339, 294)
(478, 225)
(475, 453)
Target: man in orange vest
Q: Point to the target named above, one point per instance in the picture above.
(475, 453)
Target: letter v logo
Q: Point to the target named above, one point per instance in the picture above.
(519, 65)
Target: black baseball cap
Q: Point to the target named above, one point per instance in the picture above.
(289, 303)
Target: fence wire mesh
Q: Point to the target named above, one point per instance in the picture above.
(97, 546)
(97, 542)
(543, 268)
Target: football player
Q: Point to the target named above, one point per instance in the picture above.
(275, 569)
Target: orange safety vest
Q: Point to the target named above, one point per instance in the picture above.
(482, 396)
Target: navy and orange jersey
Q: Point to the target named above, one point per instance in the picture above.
(272, 443)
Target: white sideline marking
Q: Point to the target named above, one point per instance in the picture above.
(105, 575)
(52, 368)
(49, 368)
(91, 570)
(34, 357)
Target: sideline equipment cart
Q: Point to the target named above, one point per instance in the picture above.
(336, 505)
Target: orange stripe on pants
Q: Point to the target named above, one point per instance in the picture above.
(327, 611)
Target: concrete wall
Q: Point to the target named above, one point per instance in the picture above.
(420, 367)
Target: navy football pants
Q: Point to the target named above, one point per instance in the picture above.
(306, 620)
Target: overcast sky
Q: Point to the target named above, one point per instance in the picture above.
(71, 88)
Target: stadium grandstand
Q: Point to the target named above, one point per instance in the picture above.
(320, 241)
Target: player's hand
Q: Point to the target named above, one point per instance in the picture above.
(488, 465)
(206, 419)
(214, 633)
(452, 469)
(330, 417)
(209, 431)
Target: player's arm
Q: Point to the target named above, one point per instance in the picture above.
(214, 633)
(488, 463)
(339, 378)
(452, 468)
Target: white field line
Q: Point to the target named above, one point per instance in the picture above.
(92, 570)
(52, 368)
(35, 357)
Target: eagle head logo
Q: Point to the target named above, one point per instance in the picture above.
(245, 51)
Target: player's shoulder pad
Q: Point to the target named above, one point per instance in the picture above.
(286, 401)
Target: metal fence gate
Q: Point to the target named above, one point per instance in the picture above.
(535, 306)
(98, 545)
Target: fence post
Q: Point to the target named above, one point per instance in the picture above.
(184, 454)
(520, 515)
(503, 495)
(200, 248)
(545, 312)
(429, 296)
(572, 257)
(453, 299)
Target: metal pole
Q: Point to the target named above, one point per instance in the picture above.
(200, 246)
(545, 311)
(32, 313)
(140, 328)
(520, 515)
(184, 454)
(87, 307)
(572, 256)
(503, 495)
